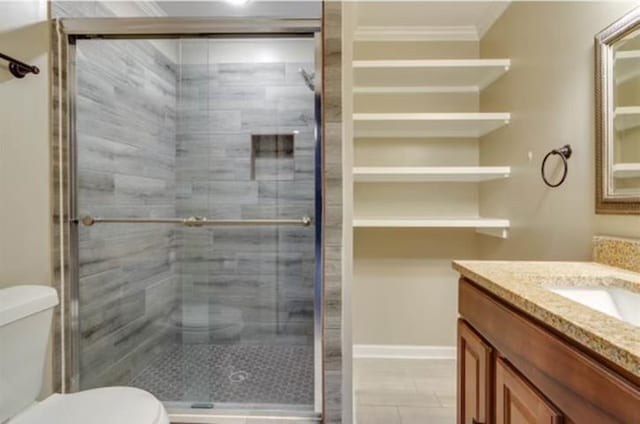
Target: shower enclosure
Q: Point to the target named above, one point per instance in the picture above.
(195, 210)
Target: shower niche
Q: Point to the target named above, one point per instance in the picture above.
(272, 157)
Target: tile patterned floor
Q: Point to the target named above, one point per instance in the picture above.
(390, 391)
(236, 374)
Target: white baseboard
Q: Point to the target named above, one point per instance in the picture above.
(403, 352)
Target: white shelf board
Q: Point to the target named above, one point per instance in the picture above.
(461, 125)
(411, 33)
(425, 89)
(627, 117)
(489, 226)
(626, 170)
(430, 173)
(472, 74)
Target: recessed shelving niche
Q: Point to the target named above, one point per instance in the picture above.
(425, 175)
(433, 99)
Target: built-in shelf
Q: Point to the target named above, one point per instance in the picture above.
(627, 117)
(626, 170)
(417, 90)
(469, 125)
(413, 33)
(430, 173)
(489, 226)
(471, 75)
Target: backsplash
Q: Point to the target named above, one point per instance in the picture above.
(618, 252)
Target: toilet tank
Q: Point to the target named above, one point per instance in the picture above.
(25, 322)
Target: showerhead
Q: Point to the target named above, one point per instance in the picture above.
(309, 78)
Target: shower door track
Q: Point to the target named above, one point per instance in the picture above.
(65, 32)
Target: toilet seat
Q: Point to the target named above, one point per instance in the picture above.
(109, 405)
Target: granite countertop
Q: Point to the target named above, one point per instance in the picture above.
(525, 286)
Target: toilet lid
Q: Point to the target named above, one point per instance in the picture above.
(109, 405)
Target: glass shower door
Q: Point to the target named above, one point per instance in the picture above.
(216, 312)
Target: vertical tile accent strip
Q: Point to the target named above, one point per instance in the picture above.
(332, 130)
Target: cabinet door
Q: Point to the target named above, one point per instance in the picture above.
(517, 402)
(474, 377)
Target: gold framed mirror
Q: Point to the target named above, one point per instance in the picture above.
(617, 72)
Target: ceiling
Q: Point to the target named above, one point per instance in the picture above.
(475, 16)
(254, 8)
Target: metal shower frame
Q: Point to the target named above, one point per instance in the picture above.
(65, 32)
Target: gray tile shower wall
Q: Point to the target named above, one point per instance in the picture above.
(245, 285)
(126, 126)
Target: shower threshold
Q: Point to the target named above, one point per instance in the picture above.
(219, 416)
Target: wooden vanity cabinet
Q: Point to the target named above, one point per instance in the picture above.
(474, 376)
(512, 369)
(518, 402)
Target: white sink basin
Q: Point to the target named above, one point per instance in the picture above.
(619, 303)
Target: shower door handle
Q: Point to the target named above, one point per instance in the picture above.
(196, 221)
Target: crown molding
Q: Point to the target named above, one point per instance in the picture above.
(492, 12)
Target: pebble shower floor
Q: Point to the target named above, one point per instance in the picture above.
(245, 374)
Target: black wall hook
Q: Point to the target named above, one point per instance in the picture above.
(565, 153)
(19, 69)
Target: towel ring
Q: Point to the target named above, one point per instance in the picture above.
(565, 153)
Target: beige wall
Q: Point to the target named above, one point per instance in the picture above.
(617, 225)
(25, 216)
(25, 246)
(550, 93)
(405, 292)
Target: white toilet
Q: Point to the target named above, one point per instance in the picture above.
(25, 322)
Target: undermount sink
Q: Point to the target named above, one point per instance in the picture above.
(616, 302)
